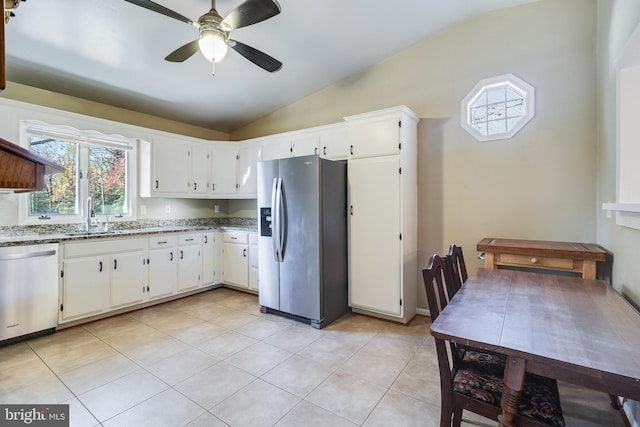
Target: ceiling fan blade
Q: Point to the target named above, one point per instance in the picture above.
(155, 7)
(250, 12)
(259, 58)
(183, 52)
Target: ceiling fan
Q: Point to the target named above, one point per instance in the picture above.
(214, 38)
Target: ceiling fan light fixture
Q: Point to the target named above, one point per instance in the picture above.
(213, 44)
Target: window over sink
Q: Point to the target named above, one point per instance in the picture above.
(97, 165)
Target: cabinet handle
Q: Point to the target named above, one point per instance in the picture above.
(315, 150)
(156, 184)
(213, 187)
(195, 186)
(147, 288)
(188, 240)
(115, 264)
(351, 210)
(351, 149)
(205, 239)
(324, 150)
(163, 243)
(233, 238)
(181, 255)
(171, 256)
(244, 253)
(100, 270)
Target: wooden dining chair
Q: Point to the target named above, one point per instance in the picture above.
(474, 385)
(459, 268)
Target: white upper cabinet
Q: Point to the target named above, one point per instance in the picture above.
(170, 161)
(247, 180)
(334, 143)
(276, 148)
(200, 168)
(378, 133)
(304, 145)
(224, 169)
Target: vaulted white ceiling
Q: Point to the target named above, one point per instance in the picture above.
(111, 51)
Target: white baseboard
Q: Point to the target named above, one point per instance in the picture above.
(423, 312)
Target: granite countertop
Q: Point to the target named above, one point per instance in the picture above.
(30, 235)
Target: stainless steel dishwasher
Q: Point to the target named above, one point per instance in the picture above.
(28, 291)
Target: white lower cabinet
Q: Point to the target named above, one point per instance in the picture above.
(129, 278)
(253, 261)
(163, 266)
(101, 275)
(235, 259)
(189, 261)
(211, 250)
(85, 287)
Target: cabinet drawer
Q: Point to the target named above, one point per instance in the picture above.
(190, 239)
(236, 237)
(163, 241)
(533, 261)
(102, 246)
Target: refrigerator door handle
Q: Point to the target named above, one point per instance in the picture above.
(282, 218)
(274, 218)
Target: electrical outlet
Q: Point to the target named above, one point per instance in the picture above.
(167, 209)
(216, 208)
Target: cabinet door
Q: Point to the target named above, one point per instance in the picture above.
(279, 148)
(374, 235)
(128, 278)
(379, 137)
(235, 268)
(85, 287)
(334, 144)
(253, 262)
(200, 170)
(209, 258)
(247, 163)
(189, 267)
(304, 146)
(223, 170)
(163, 272)
(172, 166)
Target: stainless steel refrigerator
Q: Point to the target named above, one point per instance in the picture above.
(302, 248)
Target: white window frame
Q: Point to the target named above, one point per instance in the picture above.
(516, 84)
(627, 204)
(84, 140)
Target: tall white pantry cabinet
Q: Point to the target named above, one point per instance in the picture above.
(383, 213)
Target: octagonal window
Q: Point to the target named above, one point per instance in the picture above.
(497, 108)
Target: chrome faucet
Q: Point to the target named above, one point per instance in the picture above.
(89, 209)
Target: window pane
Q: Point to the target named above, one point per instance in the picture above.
(496, 94)
(515, 108)
(496, 111)
(478, 115)
(107, 180)
(513, 94)
(59, 195)
(497, 127)
(481, 101)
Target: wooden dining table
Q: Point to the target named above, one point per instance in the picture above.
(572, 329)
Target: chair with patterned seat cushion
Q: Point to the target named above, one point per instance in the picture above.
(468, 383)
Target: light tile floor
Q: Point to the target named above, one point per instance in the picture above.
(213, 359)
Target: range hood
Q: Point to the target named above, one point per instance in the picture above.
(21, 170)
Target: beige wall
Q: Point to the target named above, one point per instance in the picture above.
(541, 183)
(45, 98)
